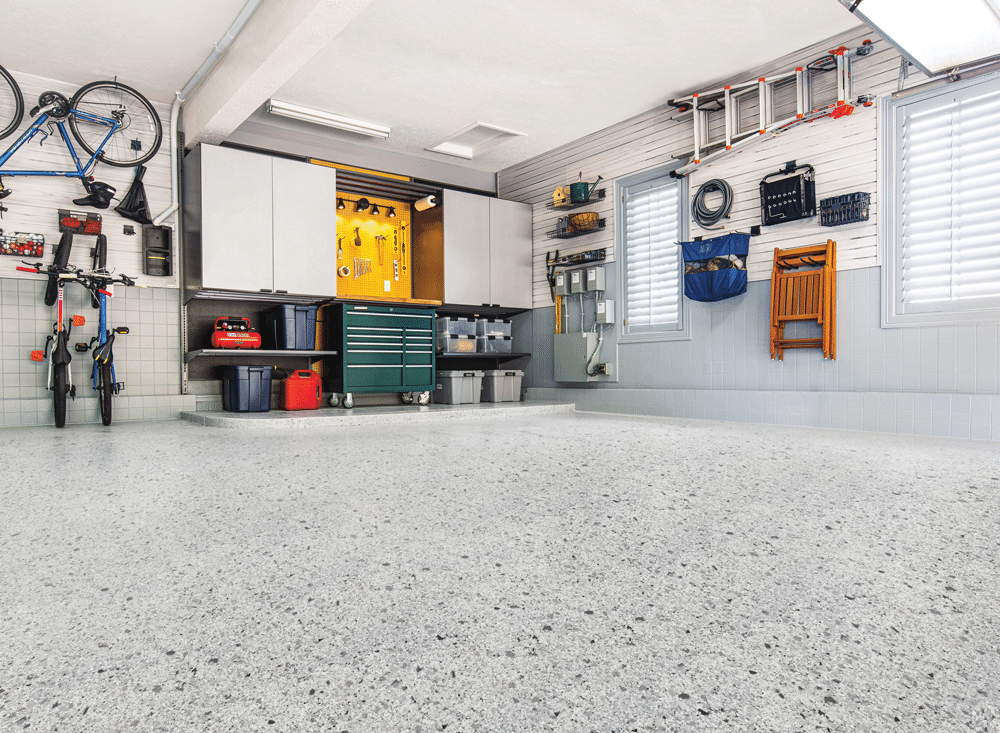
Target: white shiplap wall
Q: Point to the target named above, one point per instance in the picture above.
(843, 153)
(33, 205)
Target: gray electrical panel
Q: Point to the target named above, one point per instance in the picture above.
(606, 311)
(595, 279)
(576, 282)
(562, 284)
(572, 350)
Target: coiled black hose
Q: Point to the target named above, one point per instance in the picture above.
(702, 214)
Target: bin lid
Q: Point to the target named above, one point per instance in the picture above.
(460, 373)
(504, 372)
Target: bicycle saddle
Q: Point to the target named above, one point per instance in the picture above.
(54, 104)
(103, 354)
(100, 195)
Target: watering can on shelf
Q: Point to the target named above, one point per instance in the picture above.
(581, 191)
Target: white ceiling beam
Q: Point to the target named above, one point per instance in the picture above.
(280, 38)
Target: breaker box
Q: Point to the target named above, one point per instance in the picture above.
(571, 353)
(576, 282)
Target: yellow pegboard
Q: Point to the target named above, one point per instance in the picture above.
(374, 269)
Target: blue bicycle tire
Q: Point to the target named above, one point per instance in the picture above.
(105, 388)
(16, 101)
(98, 98)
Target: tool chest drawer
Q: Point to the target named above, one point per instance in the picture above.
(380, 348)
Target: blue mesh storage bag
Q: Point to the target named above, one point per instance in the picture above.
(715, 269)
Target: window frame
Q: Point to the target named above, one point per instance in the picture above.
(892, 109)
(683, 330)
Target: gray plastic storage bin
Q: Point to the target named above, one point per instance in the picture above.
(453, 344)
(502, 385)
(486, 327)
(458, 388)
(456, 326)
(493, 344)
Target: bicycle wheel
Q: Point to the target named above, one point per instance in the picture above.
(105, 388)
(11, 104)
(135, 142)
(59, 391)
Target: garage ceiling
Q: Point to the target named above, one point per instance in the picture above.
(552, 71)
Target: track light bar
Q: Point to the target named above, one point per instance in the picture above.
(329, 119)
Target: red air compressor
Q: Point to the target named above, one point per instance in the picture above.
(234, 332)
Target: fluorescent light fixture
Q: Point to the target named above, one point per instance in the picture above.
(329, 119)
(935, 36)
(473, 140)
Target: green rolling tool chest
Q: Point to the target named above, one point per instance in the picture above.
(380, 348)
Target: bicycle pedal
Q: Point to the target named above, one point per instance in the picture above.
(119, 387)
(82, 348)
(72, 392)
(37, 355)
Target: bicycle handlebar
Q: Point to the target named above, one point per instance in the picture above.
(66, 273)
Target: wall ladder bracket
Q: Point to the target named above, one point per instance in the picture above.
(720, 116)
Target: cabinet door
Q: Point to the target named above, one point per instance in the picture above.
(510, 253)
(304, 228)
(236, 252)
(466, 248)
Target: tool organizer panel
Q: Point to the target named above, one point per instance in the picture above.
(380, 348)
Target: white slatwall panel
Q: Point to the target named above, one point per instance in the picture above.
(842, 151)
(33, 205)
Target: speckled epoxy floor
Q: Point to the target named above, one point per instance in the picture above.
(566, 573)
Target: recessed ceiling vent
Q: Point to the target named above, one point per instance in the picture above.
(473, 140)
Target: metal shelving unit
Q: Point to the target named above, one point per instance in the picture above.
(229, 353)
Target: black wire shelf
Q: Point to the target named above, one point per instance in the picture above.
(557, 234)
(552, 206)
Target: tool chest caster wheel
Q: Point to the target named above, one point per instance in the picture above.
(348, 401)
(424, 398)
(334, 400)
(407, 398)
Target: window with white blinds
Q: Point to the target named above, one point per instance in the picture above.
(652, 260)
(944, 251)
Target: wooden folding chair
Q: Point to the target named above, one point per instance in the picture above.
(804, 295)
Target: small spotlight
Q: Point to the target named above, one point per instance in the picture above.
(375, 210)
(392, 212)
(361, 205)
(340, 204)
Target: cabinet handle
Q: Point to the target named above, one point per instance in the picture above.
(281, 291)
(265, 290)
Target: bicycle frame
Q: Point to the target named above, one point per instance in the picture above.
(103, 338)
(82, 171)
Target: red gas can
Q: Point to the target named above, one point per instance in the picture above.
(303, 390)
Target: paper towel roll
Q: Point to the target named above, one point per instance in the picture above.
(426, 203)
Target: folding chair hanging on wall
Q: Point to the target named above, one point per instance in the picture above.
(804, 295)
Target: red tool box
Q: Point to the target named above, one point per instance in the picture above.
(303, 390)
(234, 332)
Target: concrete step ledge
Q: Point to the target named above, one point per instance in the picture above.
(339, 417)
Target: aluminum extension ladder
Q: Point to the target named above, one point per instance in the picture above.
(728, 100)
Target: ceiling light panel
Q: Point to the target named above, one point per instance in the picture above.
(935, 36)
(473, 140)
(318, 117)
